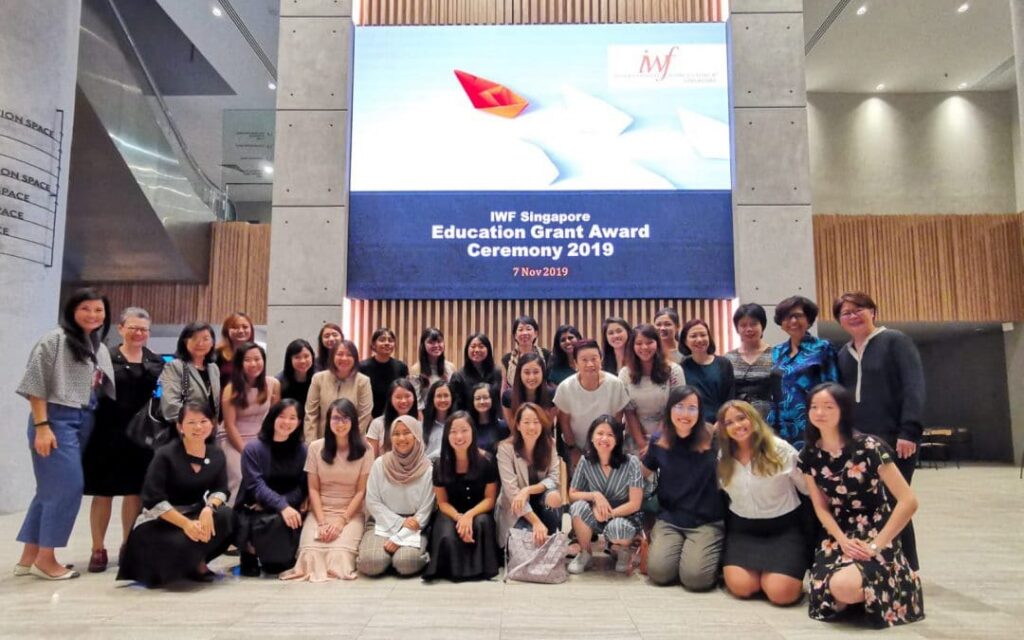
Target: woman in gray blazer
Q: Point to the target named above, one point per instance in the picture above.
(194, 359)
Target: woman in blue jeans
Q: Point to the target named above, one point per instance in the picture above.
(67, 371)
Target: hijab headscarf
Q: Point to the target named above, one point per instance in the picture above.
(404, 469)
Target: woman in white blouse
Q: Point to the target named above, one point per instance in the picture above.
(400, 497)
(765, 549)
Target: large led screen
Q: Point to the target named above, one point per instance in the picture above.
(540, 162)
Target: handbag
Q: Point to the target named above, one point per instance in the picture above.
(148, 428)
(275, 542)
(526, 562)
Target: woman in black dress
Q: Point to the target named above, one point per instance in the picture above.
(113, 464)
(490, 429)
(861, 560)
(272, 495)
(184, 523)
(463, 543)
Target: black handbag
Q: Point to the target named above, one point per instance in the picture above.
(275, 542)
(147, 428)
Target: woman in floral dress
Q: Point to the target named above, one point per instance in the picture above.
(860, 561)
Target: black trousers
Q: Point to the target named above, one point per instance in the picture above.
(907, 539)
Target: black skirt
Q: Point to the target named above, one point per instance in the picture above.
(276, 543)
(158, 552)
(453, 559)
(768, 545)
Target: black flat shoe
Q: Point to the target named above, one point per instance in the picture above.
(205, 576)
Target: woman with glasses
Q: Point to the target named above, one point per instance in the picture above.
(686, 542)
(113, 464)
(882, 368)
(799, 363)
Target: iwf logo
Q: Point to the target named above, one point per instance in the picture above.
(658, 65)
(663, 65)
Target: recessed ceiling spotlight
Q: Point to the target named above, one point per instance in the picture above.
(963, 8)
(962, 85)
(862, 10)
(217, 11)
(271, 86)
(267, 169)
(880, 87)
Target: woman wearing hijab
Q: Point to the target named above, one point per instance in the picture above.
(400, 497)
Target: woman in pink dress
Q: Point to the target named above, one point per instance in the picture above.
(245, 403)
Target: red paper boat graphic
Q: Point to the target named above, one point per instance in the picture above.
(490, 96)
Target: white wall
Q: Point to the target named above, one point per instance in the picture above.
(38, 63)
(929, 153)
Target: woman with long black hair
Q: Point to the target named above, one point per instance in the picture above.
(68, 370)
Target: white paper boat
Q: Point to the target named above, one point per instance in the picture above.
(588, 114)
(708, 137)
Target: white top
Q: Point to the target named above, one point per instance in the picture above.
(376, 429)
(647, 399)
(421, 391)
(760, 497)
(433, 451)
(584, 406)
(391, 504)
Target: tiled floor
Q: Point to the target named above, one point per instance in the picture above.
(970, 535)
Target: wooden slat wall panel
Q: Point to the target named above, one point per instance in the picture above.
(239, 268)
(463, 12)
(925, 268)
(459, 318)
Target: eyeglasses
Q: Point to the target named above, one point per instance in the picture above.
(137, 329)
(685, 410)
(340, 418)
(850, 313)
(796, 315)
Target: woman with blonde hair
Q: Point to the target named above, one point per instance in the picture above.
(765, 549)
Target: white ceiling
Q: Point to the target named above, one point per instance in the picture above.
(909, 45)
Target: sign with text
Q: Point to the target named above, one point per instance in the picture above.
(541, 162)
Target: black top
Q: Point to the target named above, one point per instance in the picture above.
(225, 367)
(506, 398)
(890, 402)
(273, 475)
(463, 381)
(714, 382)
(381, 375)
(135, 383)
(171, 479)
(465, 494)
(489, 435)
(297, 391)
(688, 494)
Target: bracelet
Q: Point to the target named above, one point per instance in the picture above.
(43, 423)
(211, 507)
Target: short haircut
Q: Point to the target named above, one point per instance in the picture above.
(858, 298)
(791, 304)
(618, 456)
(750, 310)
(690, 324)
(181, 349)
(134, 312)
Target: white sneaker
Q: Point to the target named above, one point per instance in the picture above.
(623, 556)
(580, 563)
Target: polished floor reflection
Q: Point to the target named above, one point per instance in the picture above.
(970, 535)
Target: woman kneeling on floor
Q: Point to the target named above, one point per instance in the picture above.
(463, 541)
(400, 498)
(183, 523)
(272, 493)
(686, 543)
(606, 493)
(765, 549)
(337, 468)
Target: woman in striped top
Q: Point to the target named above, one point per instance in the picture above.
(606, 494)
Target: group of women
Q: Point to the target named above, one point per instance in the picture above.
(338, 466)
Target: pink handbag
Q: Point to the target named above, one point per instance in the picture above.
(526, 562)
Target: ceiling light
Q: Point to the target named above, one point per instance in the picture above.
(271, 86)
(880, 87)
(963, 8)
(963, 85)
(862, 10)
(217, 12)
(267, 169)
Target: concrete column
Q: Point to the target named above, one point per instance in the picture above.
(309, 227)
(1014, 338)
(771, 170)
(38, 64)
